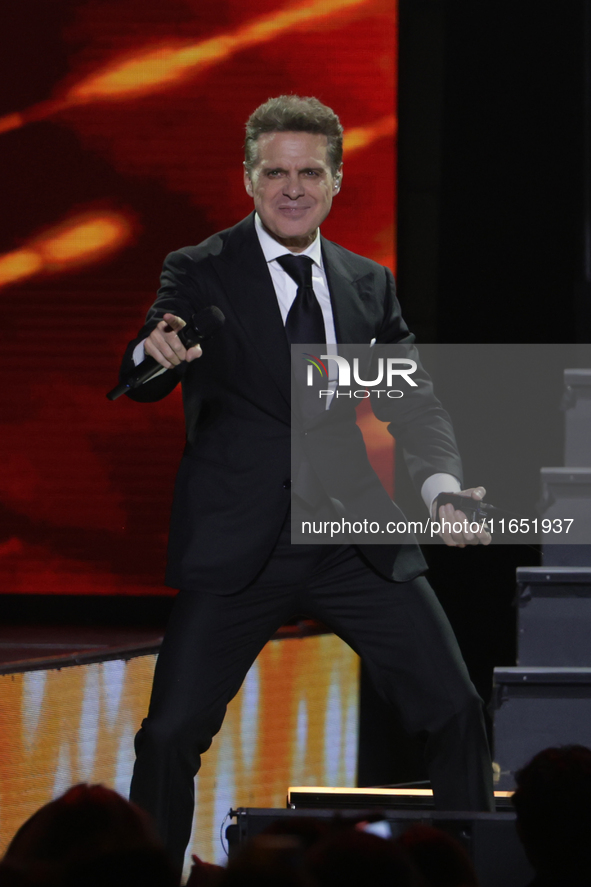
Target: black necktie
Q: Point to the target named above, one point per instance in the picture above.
(304, 323)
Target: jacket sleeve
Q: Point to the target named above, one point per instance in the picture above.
(178, 294)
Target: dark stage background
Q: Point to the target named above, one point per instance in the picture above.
(494, 232)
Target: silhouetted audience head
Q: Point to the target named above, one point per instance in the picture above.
(305, 829)
(553, 806)
(90, 835)
(14, 877)
(268, 861)
(440, 859)
(351, 858)
(311, 853)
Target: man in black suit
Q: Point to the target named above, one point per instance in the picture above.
(230, 551)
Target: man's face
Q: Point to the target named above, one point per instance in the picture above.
(292, 186)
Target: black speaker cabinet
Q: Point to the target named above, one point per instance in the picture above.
(535, 708)
(566, 502)
(490, 838)
(577, 417)
(554, 616)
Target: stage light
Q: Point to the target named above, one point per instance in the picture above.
(362, 136)
(79, 240)
(158, 67)
(18, 264)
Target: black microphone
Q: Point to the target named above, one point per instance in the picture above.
(474, 509)
(203, 326)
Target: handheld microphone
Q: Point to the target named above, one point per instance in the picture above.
(202, 326)
(472, 508)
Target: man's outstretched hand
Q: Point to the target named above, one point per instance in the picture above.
(461, 535)
(164, 345)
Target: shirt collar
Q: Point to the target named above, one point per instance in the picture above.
(272, 249)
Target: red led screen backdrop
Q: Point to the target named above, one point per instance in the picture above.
(121, 132)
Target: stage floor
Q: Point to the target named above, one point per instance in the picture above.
(26, 647)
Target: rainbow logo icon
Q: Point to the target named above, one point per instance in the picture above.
(314, 361)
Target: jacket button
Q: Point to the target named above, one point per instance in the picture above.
(286, 484)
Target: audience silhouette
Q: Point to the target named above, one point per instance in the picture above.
(553, 806)
(92, 837)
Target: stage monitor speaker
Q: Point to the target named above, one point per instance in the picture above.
(310, 797)
(554, 616)
(490, 838)
(566, 501)
(576, 404)
(534, 709)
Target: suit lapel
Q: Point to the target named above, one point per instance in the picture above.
(347, 295)
(244, 274)
(351, 294)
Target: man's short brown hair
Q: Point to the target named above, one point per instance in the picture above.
(294, 113)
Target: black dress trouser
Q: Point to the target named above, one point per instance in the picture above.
(398, 628)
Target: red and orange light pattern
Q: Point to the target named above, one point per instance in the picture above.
(158, 68)
(80, 240)
(146, 113)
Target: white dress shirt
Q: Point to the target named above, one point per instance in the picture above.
(286, 288)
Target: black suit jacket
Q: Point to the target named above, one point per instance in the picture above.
(232, 490)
